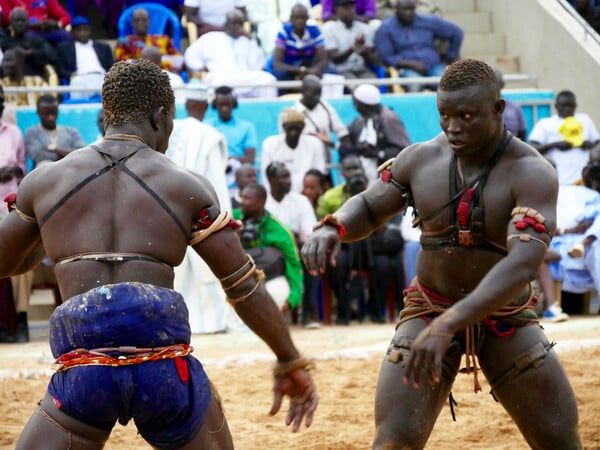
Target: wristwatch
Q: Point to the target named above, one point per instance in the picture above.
(302, 69)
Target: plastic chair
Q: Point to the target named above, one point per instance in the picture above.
(162, 21)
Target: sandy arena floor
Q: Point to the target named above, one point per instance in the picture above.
(348, 360)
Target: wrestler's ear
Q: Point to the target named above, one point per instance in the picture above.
(499, 106)
(155, 117)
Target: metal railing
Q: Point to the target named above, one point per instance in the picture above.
(589, 31)
(285, 84)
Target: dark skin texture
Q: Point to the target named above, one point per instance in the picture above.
(565, 106)
(130, 221)
(299, 17)
(411, 393)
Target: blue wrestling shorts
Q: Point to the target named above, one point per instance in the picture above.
(167, 399)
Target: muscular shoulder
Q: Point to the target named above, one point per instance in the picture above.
(417, 156)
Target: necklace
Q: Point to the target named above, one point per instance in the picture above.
(51, 135)
(125, 137)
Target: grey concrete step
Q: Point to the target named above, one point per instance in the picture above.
(483, 44)
(471, 21)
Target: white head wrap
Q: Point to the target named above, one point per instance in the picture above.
(367, 94)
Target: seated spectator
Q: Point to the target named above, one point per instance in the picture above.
(565, 138)
(131, 46)
(262, 230)
(82, 62)
(294, 211)
(375, 255)
(245, 175)
(153, 54)
(267, 17)
(349, 42)
(231, 58)
(13, 67)
(110, 10)
(49, 141)
(514, 120)
(314, 184)
(408, 42)
(299, 48)
(574, 251)
(377, 134)
(300, 152)
(321, 119)
(38, 53)
(211, 15)
(240, 135)
(365, 10)
(47, 18)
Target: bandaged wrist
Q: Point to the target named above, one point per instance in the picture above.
(283, 369)
(332, 221)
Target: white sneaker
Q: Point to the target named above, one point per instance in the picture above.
(555, 314)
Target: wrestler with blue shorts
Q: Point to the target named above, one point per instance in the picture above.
(116, 218)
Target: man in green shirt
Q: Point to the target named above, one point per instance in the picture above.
(261, 229)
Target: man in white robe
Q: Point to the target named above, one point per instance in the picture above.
(201, 148)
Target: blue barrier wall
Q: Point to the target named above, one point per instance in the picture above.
(418, 112)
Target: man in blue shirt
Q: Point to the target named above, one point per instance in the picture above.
(239, 134)
(299, 48)
(407, 41)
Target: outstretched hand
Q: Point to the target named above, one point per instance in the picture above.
(322, 243)
(303, 397)
(424, 362)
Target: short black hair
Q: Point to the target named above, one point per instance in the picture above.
(133, 90)
(259, 189)
(273, 167)
(468, 72)
(224, 90)
(45, 99)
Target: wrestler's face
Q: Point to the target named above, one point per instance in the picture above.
(470, 117)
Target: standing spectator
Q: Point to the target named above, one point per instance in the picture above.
(210, 15)
(38, 53)
(299, 48)
(49, 141)
(240, 135)
(261, 229)
(267, 17)
(82, 62)
(377, 134)
(232, 58)
(131, 46)
(201, 149)
(514, 120)
(47, 18)
(365, 10)
(566, 138)
(13, 70)
(321, 119)
(16, 289)
(349, 42)
(300, 152)
(407, 41)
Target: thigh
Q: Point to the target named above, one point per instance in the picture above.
(529, 381)
(49, 427)
(214, 434)
(404, 416)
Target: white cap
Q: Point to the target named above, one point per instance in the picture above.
(196, 91)
(367, 94)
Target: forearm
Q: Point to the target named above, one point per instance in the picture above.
(500, 285)
(263, 317)
(357, 219)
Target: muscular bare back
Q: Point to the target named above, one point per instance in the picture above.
(100, 217)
